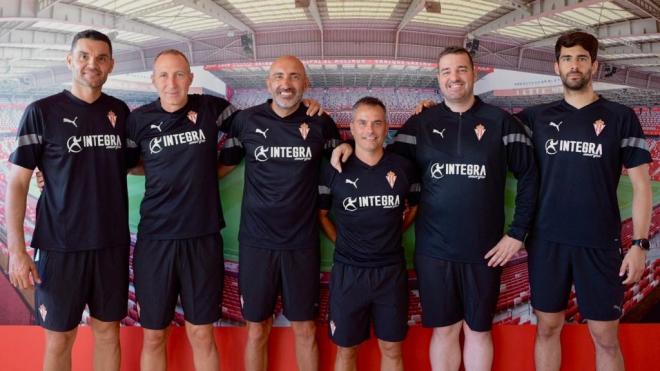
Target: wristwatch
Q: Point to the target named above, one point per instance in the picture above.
(643, 244)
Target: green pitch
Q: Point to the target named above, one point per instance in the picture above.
(231, 191)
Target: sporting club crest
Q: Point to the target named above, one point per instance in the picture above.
(113, 118)
(599, 125)
(304, 130)
(192, 116)
(479, 130)
(391, 178)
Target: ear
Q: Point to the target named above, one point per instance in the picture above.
(556, 68)
(69, 61)
(594, 68)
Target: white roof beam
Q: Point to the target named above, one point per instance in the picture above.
(643, 48)
(215, 11)
(14, 53)
(635, 27)
(413, 9)
(27, 10)
(516, 4)
(49, 40)
(649, 7)
(635, 62)
(541, 8)
(629, 28)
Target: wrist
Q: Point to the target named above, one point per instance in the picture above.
(642, 243)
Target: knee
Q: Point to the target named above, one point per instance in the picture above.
(105, 332)
(154, 339)
(477, 337)
(446, 333)
(60, 342)
(200, 335)
(258, 332)
(390, 350)
(346, 355)
(305, 330)
(607, 341)
(547, 329)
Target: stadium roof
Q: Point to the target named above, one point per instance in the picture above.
(509, 34)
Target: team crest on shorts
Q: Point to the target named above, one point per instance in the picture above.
(391, 178)
(333, 327)
(599, 125)
(479, 130)
(304, 130)
(113, 118)
(192, 116)
(242, 302)
(43, 312)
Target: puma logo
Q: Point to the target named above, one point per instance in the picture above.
(353, 182)
(154, 126)
(262, 132)
(441, 133)
(69, 121)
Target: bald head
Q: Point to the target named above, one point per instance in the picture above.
(287, 82)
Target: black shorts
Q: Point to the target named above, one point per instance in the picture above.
(262, 273)
(192, 268)
(451, 291)
(69, 280)
(360, 295)
(555, 267)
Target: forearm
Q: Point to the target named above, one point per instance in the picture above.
(15, 205)
(409, 217)
(641, 209)
(327, 226)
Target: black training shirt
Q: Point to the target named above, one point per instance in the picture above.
(463, 160)
(283, 158)
(368, 204)
(81, 150)
(580, 153)
(179, 150)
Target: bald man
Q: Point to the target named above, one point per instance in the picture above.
(279, 231)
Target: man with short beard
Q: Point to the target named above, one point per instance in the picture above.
(463, 149)
(279, 231)
(581, 143)
(81, 238)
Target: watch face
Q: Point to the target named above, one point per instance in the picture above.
(643, 243)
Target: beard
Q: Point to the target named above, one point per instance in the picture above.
(576, 84)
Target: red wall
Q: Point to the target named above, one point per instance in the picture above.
(21, 348)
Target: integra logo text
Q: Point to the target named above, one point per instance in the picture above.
(587, 149)
(384, 201)
(263, 153)
(189, 137)
(472, 171)
(76, 144)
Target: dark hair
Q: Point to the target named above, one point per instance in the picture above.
(583, 39)
(370, 101)
(173, 52)
(456, 50)
(92, 35)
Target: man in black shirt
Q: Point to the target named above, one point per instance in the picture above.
(179, 247)
(581, 143)
(463, 148)
(369, 281)
(81, 238)
(279, 233)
